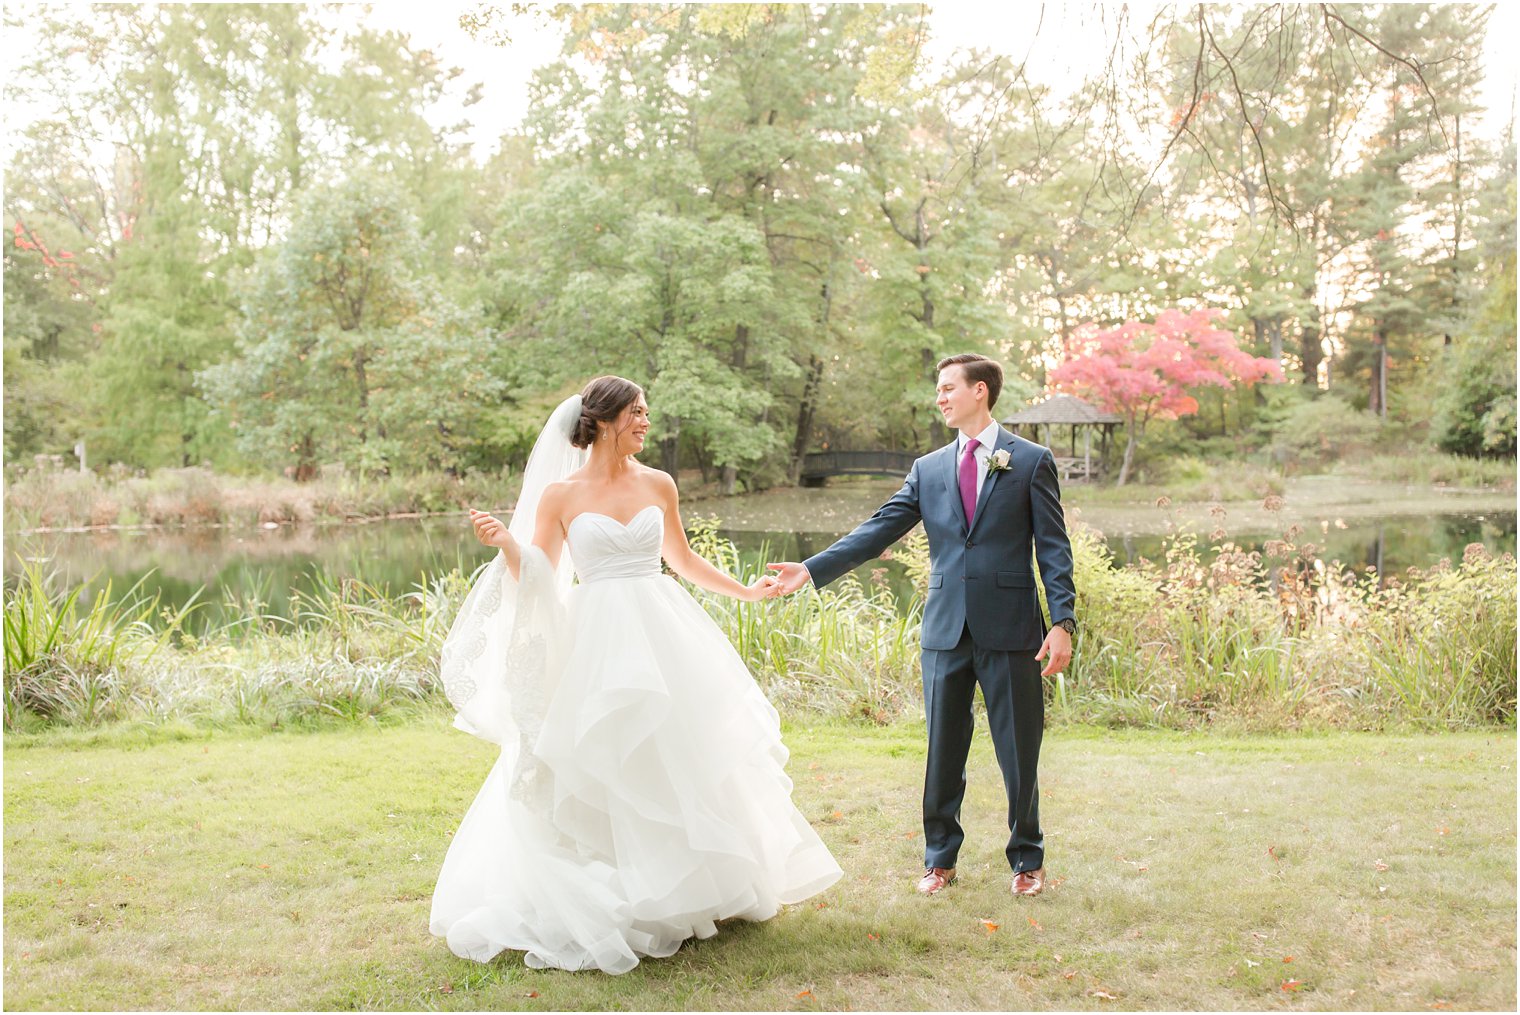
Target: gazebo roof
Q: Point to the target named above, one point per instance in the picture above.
(1063, 410)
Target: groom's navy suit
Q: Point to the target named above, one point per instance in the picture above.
(982, 624)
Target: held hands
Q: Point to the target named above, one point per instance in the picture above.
(1057, 645)
(763, 587)
(789, 577)
(489, 530)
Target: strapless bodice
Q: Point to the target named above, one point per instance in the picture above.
(603, 548)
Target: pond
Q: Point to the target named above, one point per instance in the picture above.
(239, 566)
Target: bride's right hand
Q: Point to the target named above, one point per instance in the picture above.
(489, 530)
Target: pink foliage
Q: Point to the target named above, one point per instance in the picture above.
(1145, 371)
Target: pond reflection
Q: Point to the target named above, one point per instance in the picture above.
(241, 567)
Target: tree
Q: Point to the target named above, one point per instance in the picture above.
(346, 350)
(1146, 371)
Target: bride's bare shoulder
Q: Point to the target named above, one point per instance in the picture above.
(556, 494)
(657, 479)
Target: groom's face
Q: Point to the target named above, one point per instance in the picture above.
(960, 403)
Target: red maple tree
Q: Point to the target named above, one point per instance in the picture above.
(1144, 371)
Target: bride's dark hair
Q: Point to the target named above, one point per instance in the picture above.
(602, 400)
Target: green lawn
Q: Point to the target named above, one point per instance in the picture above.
(231, 870)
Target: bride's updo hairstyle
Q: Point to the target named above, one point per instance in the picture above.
(602, 400)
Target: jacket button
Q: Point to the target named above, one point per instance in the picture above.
(969, 544)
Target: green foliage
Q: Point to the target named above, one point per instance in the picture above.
(346, 350)
(1273, 639)
(1316, 431)
(776, 217)
(1475, 410)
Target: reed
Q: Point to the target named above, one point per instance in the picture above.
(1257, 640)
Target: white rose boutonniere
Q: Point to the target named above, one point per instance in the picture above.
(997, 461)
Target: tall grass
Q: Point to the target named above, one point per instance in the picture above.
(66, 663)
(1433, 468)
(1264, 640)
(50, 496)
(851, 649)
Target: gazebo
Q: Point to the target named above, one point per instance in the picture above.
(1068, 411)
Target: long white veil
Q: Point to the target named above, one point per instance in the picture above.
(499, 658)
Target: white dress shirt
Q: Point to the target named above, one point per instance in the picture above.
(988, 439)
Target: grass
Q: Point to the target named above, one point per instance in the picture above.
(178, 868)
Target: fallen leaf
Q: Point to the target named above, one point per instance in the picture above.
(1036, 925)
(263, 866)
(1442, 1005)
(991, 927)
(531, 993)
(1058, 956)
(873, 937)
(1443, 830)
(806, 993)
(1287, 958)
(1253, 965)
(1272, 852)
(1105, 995)
(1071, 975)
(1258, 935)
(837, 815)
(821, 905)
(447, 988)
(1292, 985)
(1379, 865)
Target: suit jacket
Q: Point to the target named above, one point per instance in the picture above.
(981, 578)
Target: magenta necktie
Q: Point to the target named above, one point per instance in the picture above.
(968, 479)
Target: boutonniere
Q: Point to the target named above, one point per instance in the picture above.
(997, 461)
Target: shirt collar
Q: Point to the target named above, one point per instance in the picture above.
(988, 437)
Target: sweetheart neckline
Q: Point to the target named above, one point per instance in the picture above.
(623, 525)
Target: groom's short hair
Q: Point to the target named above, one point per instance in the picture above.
(975, 368)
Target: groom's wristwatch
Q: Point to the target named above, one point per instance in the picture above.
(1068, 625)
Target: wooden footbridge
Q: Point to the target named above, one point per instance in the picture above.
(819, 466)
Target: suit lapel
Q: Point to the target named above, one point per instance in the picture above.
(1004, 443)
(953, 483)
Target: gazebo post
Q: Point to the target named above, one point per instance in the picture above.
(1086, 453)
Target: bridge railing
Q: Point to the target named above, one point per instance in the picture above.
(818, 466)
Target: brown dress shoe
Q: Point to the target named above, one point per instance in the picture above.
(1029, 882)
(936, 878)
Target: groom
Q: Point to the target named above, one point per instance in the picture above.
(987, 500)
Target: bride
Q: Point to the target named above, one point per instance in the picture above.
(640, 795)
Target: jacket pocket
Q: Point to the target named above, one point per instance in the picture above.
(936, 580)
(1015, 580)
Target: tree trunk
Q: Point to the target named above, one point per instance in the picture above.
(728, 480)
(1310, 349)
(670, 453)
(1129, 455)
(1377, 395)
(938, 434)
(805, 413)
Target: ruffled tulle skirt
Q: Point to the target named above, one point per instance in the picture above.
(652, 803)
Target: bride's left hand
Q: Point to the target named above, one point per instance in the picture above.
(764, 587)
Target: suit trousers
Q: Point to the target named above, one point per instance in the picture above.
(1013, 691)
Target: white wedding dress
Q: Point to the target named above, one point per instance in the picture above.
(640, 795)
